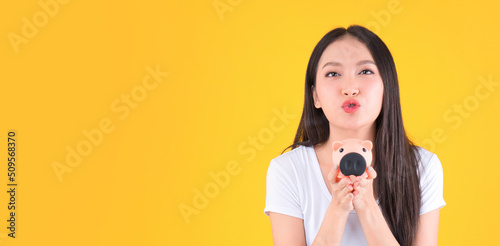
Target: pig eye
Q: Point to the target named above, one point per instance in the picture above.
(364, 149)
(341, 150)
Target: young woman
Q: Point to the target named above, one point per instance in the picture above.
(352, 91)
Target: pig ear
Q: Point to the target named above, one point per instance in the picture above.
(367, 144)
(337, 145)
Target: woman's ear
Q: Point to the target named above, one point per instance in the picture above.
(315, 97)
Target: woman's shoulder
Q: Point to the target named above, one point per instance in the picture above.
(296, 167)
(430, 172)
(428, 161)
(299, 152)
(424, 155)
(297, 158)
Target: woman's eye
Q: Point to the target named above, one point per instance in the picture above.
(332, 74)
(366, 71)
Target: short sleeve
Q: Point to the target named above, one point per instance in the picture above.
(282, 194)
(431, 184)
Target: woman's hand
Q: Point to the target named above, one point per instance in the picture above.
(363, 190)
(342, 196)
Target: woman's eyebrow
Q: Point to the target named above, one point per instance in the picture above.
(332, 63)
(338, 64)
(365, 62)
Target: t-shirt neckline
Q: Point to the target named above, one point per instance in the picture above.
(319, 175)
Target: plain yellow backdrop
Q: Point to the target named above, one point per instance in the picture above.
(153, 122)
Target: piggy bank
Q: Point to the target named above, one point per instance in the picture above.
(353, 156)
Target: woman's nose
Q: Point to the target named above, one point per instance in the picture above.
(350, 91)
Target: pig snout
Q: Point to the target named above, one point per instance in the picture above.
(352, 164)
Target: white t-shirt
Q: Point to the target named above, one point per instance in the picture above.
(295, 187)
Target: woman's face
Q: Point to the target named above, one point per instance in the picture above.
(349, 88)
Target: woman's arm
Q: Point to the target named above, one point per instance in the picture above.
(287, 230)
(332, 227)
(428, 226)
(377, 231)
(375, 228)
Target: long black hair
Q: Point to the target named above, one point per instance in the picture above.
(397, 184)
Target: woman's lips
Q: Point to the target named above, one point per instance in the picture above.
(350, 105)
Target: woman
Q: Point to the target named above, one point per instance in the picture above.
(352, 91)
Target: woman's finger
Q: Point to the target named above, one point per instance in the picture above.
(355, 193)
(371, 173)
(332, 174)
(364, 182)
(353, 178)
(348, 198)
(341, 184)
(347, 189)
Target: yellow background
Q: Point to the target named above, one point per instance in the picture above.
(232, 73)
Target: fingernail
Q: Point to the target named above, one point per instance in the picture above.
(370, 168)
(335, 167)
